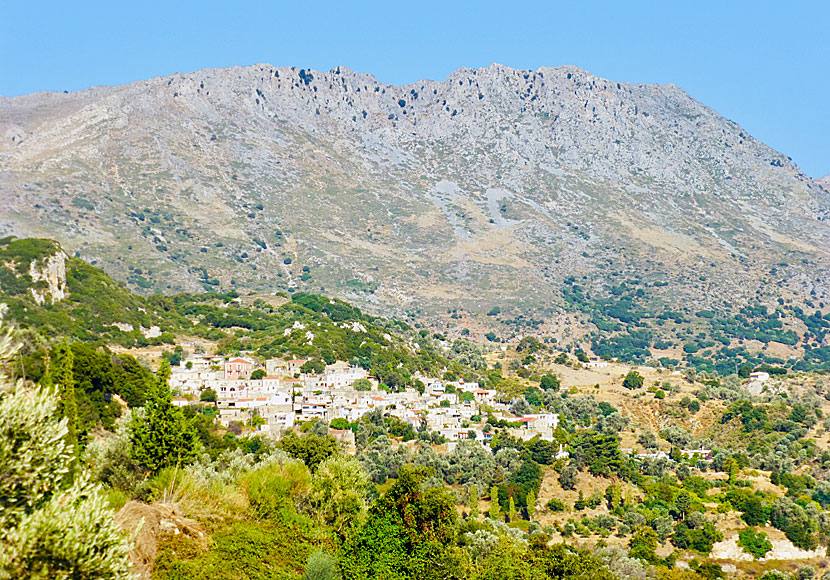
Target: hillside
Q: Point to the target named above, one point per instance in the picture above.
(631, 471)
(56, 297)
(489, 188)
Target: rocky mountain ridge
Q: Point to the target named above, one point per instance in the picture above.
(491, 187)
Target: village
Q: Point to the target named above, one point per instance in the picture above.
(281, 396)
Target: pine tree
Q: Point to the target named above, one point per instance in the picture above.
(495, 510)
(164, 437)
(531, 504)
(61, 375)
(683, 503)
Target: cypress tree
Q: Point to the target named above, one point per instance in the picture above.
(531, 504)
(494, 503)
(472, 501)
(61, 375)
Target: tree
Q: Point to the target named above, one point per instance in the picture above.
(62, 376)
(410, 533)
(163, 437)
(793, 520)
(755, 511)
(731, 468)
(258, 375)
(683, 503)
(311, 449)
(52, 527)
(362, 385)
(428, 514)
(530, 344)
(643, 544)
(495, 510)
(568, 477)
(531, 504)
(633, 380)
(208, 396)
(533, 396)
(313, 367)
(613, 496)
(696, 534)
(340, 424)
(600, 453)
(338, 493)
(550, 382)
(511, 509)
(472, 501)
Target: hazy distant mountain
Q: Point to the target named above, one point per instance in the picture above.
(489, 188)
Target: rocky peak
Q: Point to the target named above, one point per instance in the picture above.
(49, 278)
(499, 180)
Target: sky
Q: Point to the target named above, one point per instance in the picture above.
(764, 65)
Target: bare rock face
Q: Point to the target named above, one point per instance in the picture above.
(49, 279)
(492, 186)
(782, 550)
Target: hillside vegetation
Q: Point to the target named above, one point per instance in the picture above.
(240, 504)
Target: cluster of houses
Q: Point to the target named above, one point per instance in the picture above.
(281, 395)
(278, 395)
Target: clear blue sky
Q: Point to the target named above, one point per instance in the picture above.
(765, 65)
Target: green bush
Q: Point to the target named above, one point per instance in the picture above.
(556, 505)
(272, 489)
(754, 543)
(633, 380)
(320, 566)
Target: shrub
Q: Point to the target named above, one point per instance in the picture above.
(754, 543)
(273, 489)
(338, 494)
(556, 505)
(320, 566)
(633, 380)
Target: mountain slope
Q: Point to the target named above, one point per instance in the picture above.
(489, 188)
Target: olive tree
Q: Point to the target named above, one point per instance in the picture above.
(55, 524)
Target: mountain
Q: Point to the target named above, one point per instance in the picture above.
(490, 188)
